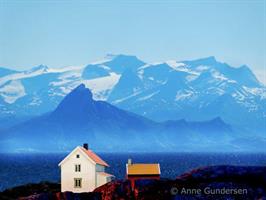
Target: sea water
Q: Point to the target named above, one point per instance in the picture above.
(19, 169)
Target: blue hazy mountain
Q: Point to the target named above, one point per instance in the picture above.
(80, 118)
(78, 109)
(194, 90)
(119, 63)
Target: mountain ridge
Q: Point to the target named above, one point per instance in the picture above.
(194, 90)
(79, 118)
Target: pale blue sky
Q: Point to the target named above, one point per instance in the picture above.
(61, 33)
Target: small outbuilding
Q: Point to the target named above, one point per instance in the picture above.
(82, 171)
(138, 171)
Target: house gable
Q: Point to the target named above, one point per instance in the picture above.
(76, 150)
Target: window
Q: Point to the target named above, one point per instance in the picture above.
(77, 156)
(77, 182)
(77, 168)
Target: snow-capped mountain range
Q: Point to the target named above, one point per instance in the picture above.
(194, 90)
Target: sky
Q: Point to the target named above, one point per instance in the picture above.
(63, 33)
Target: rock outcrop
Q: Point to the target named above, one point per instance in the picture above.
(215, 182)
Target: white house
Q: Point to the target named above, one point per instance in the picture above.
(83, 171)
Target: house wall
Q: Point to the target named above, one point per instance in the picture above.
(87, 173)
(101, 180)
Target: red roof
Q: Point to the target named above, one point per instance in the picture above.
(143, 169)
(94, 157)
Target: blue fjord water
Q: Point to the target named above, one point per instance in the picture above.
(19, 169)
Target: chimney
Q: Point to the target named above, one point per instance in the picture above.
(85, 146)
(129, 161)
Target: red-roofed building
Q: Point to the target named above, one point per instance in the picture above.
(83, 171)
(138, 171)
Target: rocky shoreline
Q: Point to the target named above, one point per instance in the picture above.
(214, 182)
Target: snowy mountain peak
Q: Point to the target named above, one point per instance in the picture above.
(119, 63)
(39, 68)
(203, 61)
